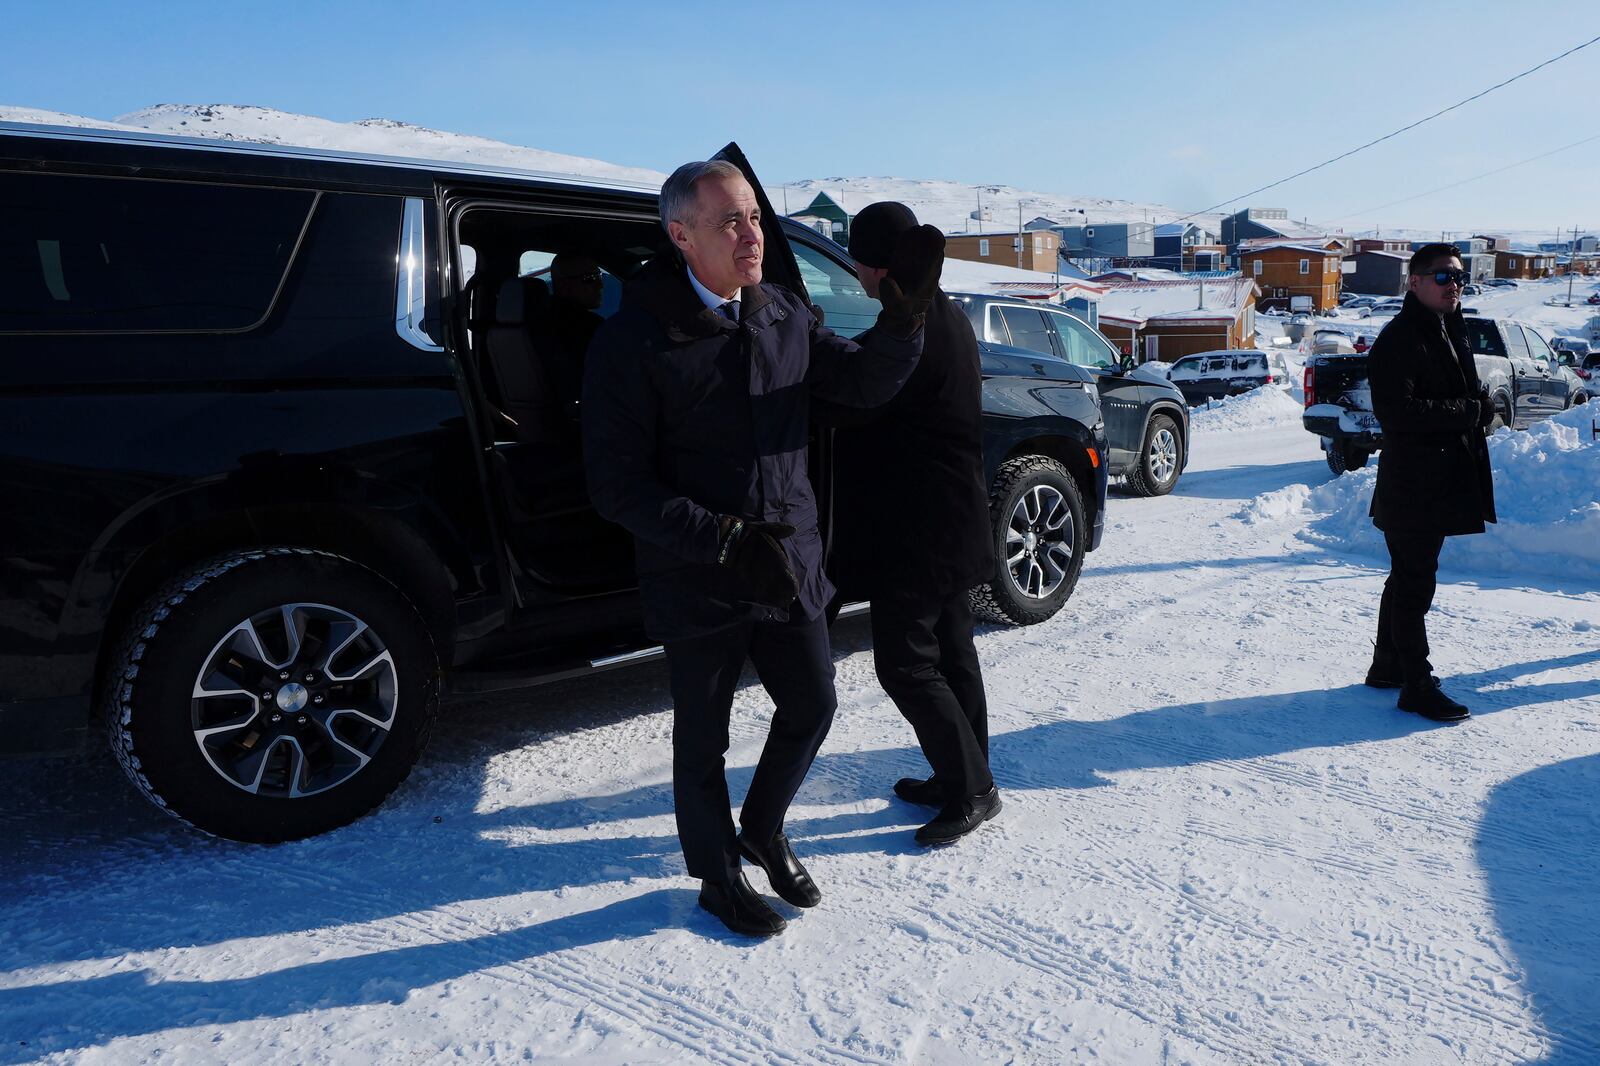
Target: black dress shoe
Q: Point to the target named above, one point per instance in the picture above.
(1430, 701)
(789, 879)
(960, 818)
(929, 793)
(740, 909)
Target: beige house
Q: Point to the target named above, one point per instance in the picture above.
(1036, 249)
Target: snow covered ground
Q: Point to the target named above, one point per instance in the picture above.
(1217, 847)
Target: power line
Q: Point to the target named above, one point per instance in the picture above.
(1393, 133)
(1463, 181)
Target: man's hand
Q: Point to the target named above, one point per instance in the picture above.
(1486, 410)
(753, 550)
(913, 278)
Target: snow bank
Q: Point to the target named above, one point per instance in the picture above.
(1271, 506)
(1547, 493)
(1262, 408)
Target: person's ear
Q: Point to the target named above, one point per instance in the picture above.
(679, 234)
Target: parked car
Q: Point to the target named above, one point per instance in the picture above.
(1589, 373)
(1355, 303)
(1594, 298)
(1576, 346)
(1210, 376)
(283, 460)
(1389, 305)
(1147, 422)
(1470, 290)
(1499, 283)
(1362, 342)
(1513, 362)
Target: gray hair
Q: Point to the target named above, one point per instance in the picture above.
(678, 196)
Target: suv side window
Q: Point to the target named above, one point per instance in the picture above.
(116, 255)
(1541, 351)
(1028, 329)
(846, 307)
(1514, 340)
(1080, 345)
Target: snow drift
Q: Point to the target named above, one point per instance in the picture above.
(1547, 493)
(1261, 408)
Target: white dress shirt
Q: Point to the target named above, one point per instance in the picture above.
(711, 299)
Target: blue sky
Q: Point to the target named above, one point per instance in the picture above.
(1178, 103)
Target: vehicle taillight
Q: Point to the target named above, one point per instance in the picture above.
(1310, 380)
(1584, 374)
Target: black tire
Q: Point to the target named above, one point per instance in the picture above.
(351, 691)
(1337, 459)
(1160, 461)
(1020, 483)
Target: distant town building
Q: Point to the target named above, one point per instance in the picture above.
(1378, 273)
(1283, 270)
(1169, 319)
(1109, 240)
(826, 216)
(1037, 249)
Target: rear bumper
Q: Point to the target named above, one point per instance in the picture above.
(1334, 429)
(43, 727)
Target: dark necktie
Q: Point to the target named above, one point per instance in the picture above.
(730, 310)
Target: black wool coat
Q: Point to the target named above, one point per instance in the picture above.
(1433, 471)
(912, 519)
(688, 416)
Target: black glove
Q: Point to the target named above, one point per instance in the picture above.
(907, 291)
(758, 560)
(1486, 410)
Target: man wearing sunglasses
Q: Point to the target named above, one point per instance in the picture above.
(1433, 472)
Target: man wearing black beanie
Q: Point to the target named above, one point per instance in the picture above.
(928, 443)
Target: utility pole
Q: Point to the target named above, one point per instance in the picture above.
(1019, 233)
(1572, 263)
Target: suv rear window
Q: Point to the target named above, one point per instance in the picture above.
(1483, 337)
(114, 255)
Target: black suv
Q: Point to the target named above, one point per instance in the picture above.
(285, 454)
(1147, 421)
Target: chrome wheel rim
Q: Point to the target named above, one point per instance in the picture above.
(1039, 542)
(1163, 454)
(294, 700)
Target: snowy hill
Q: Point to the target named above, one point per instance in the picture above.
(946, 204)
(951, 204)
(374, 136)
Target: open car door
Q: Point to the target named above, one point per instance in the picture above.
(778, 264)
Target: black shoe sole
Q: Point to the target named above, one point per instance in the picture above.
(1462, 717)
(1381, 682)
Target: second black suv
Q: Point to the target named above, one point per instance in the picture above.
(1147, 421)
(287, 451)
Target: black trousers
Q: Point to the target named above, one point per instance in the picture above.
(792, 660)
(927, 663)
(1407, 596)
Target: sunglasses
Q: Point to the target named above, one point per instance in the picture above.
(1449, 277)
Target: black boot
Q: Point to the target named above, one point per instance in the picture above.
(789, 879)
(1428, 699)
(740, 909)
(1385, 670)
(929, 793)
(959, 818)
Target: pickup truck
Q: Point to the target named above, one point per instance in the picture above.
(1513, 360)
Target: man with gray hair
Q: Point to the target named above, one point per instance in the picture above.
(696, 424)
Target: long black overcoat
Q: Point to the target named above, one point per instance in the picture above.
(913, 515)
(1433, 471)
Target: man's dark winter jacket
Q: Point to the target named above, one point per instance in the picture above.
(688, 416)
(1433, 471)
(913, 512)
